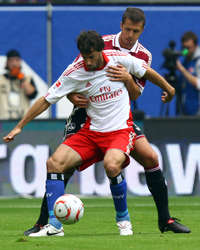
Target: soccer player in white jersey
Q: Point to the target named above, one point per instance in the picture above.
(133, 22)
(96, 140)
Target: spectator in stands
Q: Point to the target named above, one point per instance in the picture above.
(190, 74)
(16, 89)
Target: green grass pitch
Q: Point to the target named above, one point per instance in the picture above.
(97, 229)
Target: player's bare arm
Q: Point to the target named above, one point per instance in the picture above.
(119, 73)
(78, 100)
(158, 80)
(38, 107)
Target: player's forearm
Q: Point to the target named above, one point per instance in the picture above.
(158, 80)
(38, 107)
(133, 88)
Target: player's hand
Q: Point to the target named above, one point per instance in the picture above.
(12, 134)
(78, 100)
(167, 96)
(118, 74)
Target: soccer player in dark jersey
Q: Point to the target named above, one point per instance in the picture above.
(132, 25)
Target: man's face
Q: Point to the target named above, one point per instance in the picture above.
(191, 46)
(13, 62)
(130, 32)
(93, 60)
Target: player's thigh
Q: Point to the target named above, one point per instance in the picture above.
(144, 153)
(114, 158)
(64, 158)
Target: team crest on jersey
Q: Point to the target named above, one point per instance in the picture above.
(58, 84)
(88, 84)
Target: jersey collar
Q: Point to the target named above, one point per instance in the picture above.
(117, 44)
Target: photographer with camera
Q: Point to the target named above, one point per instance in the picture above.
(16, 89)
(190, 74)
(171, 55)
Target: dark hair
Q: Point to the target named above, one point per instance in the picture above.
(88, 41)
(189, 35)
(136, 15)
(13, 53)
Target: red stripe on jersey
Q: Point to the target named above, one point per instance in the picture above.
(130, 119)
(76, 59)
(140, 81)
(115, 53)
(141, 55)
(74, 68)
(87, 123)
(108, 41)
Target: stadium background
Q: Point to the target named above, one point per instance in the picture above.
(45, 36)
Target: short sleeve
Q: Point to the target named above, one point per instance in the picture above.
(135, 66)
(62, 87)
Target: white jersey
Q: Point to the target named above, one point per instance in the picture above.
(109, 106)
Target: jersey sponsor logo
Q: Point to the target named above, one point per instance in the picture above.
(105, 89)
(106, 96)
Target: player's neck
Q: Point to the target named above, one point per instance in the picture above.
(125, 46)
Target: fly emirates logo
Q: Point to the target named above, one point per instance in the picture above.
(107, 94)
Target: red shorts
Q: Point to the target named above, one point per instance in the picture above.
(92, 145)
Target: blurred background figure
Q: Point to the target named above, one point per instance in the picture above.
(16, 89)
(189, 79)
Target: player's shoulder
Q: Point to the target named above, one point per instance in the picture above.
(141, 48)
(76, 66)
(112, 52)
(109, 37)
(144, 54)
(109, 41)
